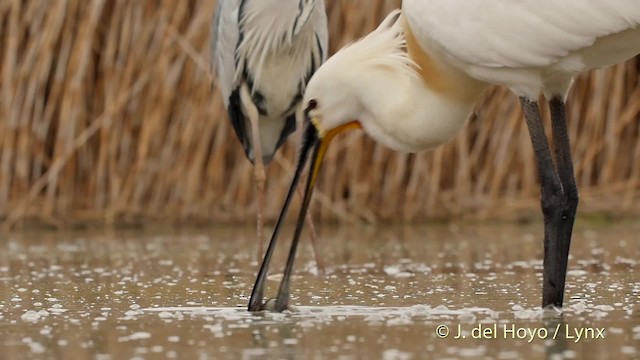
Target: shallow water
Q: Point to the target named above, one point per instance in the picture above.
(390, 293)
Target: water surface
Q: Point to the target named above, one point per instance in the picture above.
(436, 291)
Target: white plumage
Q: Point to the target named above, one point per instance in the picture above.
(412, 83)
(531, 46)
(375, 83)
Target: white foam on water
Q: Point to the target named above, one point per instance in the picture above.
(173, 339)
(141, 335)
(34, 316)
(34, 347)
(628, 350)
(395, 354)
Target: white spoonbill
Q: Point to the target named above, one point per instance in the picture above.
(412, 83)
(264, 53)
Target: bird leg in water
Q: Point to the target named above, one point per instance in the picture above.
(258, 165)
(569, 187)
(558, 219)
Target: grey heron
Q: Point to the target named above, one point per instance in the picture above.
(264, 53)
(412, 83)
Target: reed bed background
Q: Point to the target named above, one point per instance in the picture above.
(108, 115)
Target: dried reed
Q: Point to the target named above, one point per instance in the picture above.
(108, 116)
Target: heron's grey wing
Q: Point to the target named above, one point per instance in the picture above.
(317, 20)
(225, 34)
(322, 30)
(224, 40)
(305, 10)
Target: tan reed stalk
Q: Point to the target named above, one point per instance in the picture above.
(108, 116)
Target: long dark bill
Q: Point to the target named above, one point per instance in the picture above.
(310, 140)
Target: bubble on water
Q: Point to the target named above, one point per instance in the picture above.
(173, 339)
(628, 350)
(34, 316)
(34, 347)
(400, 321)
(509, 355)
(598, 314)
(467, 317)
(57, 309)
(578, 308)
(131, 314)
(374, 318)
(615, 330)
(30, 316)
(290, 341)
(604, 307)
(472, 352)
(141, 335)
(165, 315)
(395, 354)
(527, 314)
(625, 261)
(441, 308)
(216, 329)
(576, 273)
(395, 271)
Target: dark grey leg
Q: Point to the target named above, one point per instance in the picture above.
(552, 200)
(569, 187)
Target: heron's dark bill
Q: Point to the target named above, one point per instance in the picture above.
(312, 140)
(320, 145)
